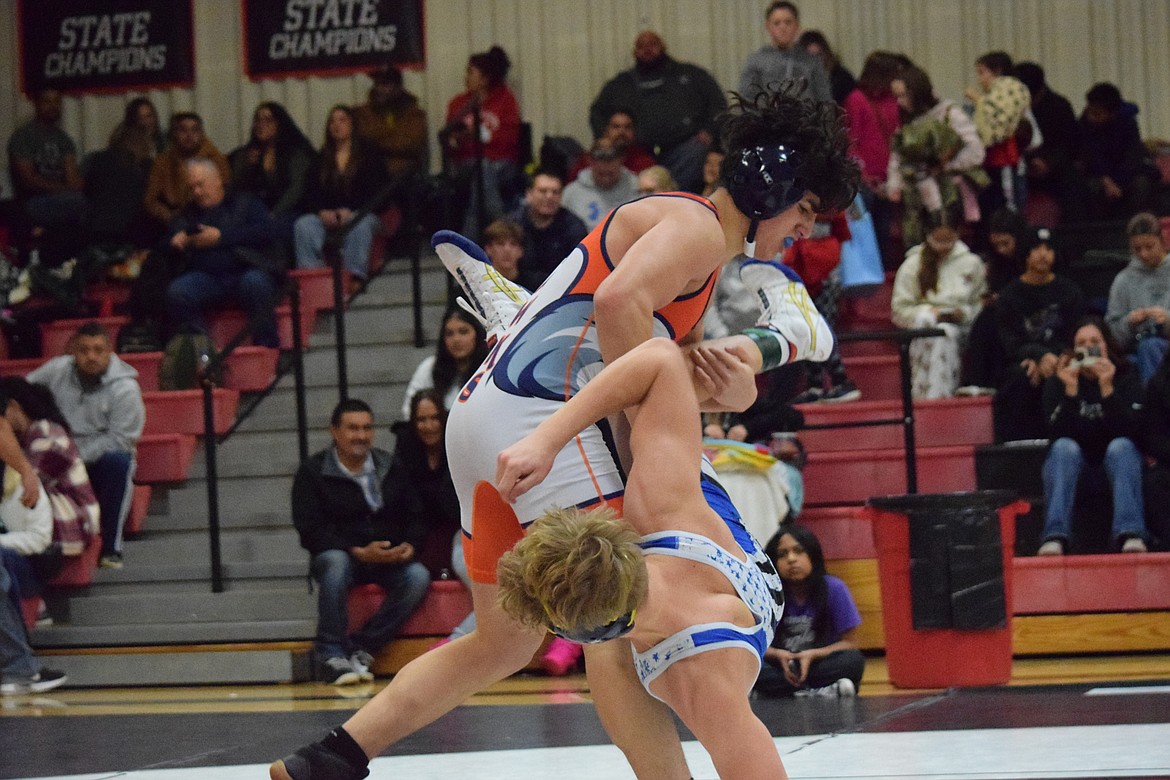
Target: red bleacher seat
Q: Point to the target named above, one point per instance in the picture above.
(855, 476)
(77, 570)
(164, 457)
(446, 604)
(55, 335)
(940, 422)
(844, 531)
(390, 222)
(29, 608)
(316, 287)
(107, 294)
(19, 366)
(876, 376)
(224, 325)
(249, 369)
(1092, 583)
(139, 508)
(181, 411)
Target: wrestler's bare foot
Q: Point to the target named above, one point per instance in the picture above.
(492, 299)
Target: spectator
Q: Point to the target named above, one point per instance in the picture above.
(116, 178)
(482, 138)
(274, 164)
(1155, 427)
(674, 105)
(99, 396)
(935, 157)
(340, 198)
(46, 178)
(44, 435)
(28, 532)
(712, 164)
(1139, 298)
(656, 179)
(167, 192)
(348, 512)
(462, 347)
(602, 188)
(550, 230)
(940, 284)
(1008, 232)
(1113, 157)
(841, 81)
(1001, 103)
(392, 121)
(783, 59)
(1035, 315)
(503, 241)
(225, 240)
(1050, 165)
(872, 109)
(622, 134)
(815, 649)
(1092, 404)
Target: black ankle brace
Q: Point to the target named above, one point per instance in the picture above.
(341, 743)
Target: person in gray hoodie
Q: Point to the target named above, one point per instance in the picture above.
(603, 186)
(99, 395)
(1139, 299)
(783, 59)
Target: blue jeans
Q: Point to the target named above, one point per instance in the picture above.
(110, 476)
(1148, 356)
(309, 242)
(194, 292)
(336, 571)
(16, 657)
(1063, 470)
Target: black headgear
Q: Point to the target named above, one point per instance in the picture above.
(764, 182)
(619, 626)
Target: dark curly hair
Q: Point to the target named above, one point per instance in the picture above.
(816, 129)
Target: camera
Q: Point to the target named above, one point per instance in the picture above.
(1083, 358)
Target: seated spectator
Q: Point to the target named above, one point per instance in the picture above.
(1113, 157)
(274, 164)
(462, 347)
(98, 395)
(1092, 404)
(841, 81)
(1155, 427)
(503, 241)
(348, 513)
(783, 58)
(1007, 233)
(712, 163)
(940, 284)
(224, 240)
(551, 231)
(1001, 103)
(1051, 165)
(482, 138)
(1035, 315)
(602, 188)
(674, 105)
(26, 531)
(47, 180)
(815, 649)
(1139, 298)
(935, 157)
(341, 196)
(621, 133)
(44, 435)
(656, 179)
(116, 177)
(167, 192)
(394, 124)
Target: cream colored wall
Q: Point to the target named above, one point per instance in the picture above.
(564, 50)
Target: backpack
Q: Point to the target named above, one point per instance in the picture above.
(183, 359)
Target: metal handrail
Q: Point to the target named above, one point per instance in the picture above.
(903, 339)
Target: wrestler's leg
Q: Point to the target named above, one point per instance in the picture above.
(640, 725)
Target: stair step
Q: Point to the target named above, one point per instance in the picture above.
(123, 634)
(194, 607)
(855, 476)
(195, 665)
(940, 422)
(236, 546)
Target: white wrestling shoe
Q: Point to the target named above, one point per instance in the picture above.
(787, 309)
(490, 297)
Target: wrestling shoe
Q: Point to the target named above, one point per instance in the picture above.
(315, 762)
(492, 299)
(787, 310)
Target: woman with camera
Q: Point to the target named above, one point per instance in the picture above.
(1034, 317)
(1093, 402)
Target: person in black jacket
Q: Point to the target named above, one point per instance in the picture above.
(1156, 445)
(1093, 403)
(349, 511)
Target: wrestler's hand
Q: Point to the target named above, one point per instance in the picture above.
(522, 467)
(725, 374)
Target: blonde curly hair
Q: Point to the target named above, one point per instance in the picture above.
(574, 569)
